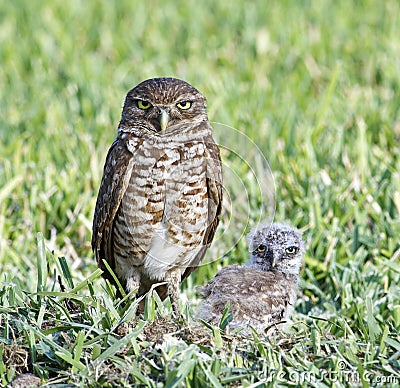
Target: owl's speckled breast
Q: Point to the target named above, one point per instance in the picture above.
(164, 212)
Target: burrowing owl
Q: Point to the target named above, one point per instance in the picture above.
(159, 201)
(263, 292)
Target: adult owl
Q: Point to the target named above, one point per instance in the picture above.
(159, 201)
(263, 292)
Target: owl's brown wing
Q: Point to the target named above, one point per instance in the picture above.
(219, 284)
(214, 187)
(214, 190)
(117, 171)
(227, 279)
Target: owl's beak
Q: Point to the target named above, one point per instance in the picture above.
(275, 259)
(164, 118)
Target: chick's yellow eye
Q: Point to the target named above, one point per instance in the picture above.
(141, 104)
(261, 248)
(291, 250)
(184, 105)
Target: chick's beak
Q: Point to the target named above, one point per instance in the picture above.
(164, 118)
(275, 259)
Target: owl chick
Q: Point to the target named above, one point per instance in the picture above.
(261, 293)
(159, 201)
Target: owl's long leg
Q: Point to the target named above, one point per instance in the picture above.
(132, 282)
(173, 280)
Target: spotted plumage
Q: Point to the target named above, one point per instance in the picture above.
(159, 201)
(262, 293)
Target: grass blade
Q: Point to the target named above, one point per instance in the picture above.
(41, 263)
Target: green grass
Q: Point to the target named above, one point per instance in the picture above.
(314, 84)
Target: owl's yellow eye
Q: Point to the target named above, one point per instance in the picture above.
(142, 104)
(184, 105)
(261, 248)
(291, 250)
